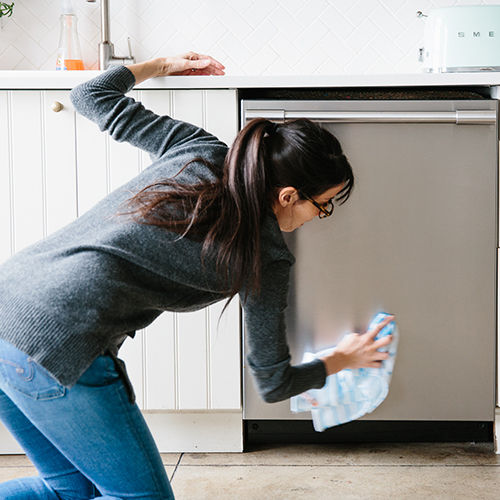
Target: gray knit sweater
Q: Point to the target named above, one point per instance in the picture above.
(72, 296)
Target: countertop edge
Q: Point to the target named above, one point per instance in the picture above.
(49, 80)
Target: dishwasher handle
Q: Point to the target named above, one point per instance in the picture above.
(459, 117)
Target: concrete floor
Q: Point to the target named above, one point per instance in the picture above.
(338, 471)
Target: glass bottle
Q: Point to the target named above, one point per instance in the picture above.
(69, 54)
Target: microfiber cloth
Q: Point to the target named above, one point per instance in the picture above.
(350, 393)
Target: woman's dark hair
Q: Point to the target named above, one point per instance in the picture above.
(227, 214)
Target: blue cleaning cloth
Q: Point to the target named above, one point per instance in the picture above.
(350, 393)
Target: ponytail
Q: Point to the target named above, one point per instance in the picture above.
(244, 205)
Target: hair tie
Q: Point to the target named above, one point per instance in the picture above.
(272, 127)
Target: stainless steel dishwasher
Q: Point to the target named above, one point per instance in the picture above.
(417, 238)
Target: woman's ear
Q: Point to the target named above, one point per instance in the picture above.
(287, 196)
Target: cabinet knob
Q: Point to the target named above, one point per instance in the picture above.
(57, 106)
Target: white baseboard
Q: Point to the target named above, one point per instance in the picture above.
(8, 445)
(197, 432)
(177, 432)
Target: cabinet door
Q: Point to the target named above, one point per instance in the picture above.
(37, 167)
(181, 361)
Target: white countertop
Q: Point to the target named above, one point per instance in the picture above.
(68, 79)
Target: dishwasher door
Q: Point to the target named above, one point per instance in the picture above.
(417, 238)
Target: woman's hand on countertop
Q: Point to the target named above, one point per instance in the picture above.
(190, 64)
(359, 350)
(185, 64)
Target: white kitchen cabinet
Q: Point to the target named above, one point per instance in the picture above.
(55, 165)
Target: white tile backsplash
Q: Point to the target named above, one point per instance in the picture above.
(251, 37)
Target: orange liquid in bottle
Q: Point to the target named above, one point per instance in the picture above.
(72, 64)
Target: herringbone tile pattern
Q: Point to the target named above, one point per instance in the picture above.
(251, 37)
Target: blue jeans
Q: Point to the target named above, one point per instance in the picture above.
(87, 441)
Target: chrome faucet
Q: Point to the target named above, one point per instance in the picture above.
(107, 56)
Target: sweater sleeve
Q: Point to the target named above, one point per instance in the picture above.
(102, 100)
(269, 356)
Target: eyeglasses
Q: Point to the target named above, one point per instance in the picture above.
(325, 209)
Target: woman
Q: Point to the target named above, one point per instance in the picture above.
(203, 224)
